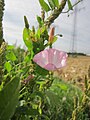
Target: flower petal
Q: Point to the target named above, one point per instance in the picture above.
(51, 59)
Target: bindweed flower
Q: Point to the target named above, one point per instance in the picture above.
(51, 59)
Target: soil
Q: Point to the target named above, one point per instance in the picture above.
(75, 70)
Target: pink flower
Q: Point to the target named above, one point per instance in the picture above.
(51, 59)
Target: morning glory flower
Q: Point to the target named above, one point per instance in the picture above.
(51, 59)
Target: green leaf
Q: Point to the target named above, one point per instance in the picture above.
(41, 71)
(39, 93)
(70, 5)
(8, 66)
(27, 59)
(26, 38)
(11, 56)
(43, 29)
(53, 98)
(25, 70)
(1, 86)
(45, 117)
(9, 99)
(39, 21)
(32, 112)
(44, 5)
(27, 111)
(10, 47)
(37, 35)
(56, 2)
(54, 39)
(62, 86)
(52, 5)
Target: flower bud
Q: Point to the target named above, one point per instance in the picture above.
(51, 35)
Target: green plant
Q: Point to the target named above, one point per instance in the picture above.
(81, 109)
(1, 18)
(61, 96)
(9, 98)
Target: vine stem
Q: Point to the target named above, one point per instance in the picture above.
(72, 6)
(55, 13)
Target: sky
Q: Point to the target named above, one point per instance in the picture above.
(13, 24)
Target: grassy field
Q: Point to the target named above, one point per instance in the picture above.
(75, 70)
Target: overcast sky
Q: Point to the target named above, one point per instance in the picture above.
(13, 24)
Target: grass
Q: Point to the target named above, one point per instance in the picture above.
(61, 98)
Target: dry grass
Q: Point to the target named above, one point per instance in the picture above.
(75, 70)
